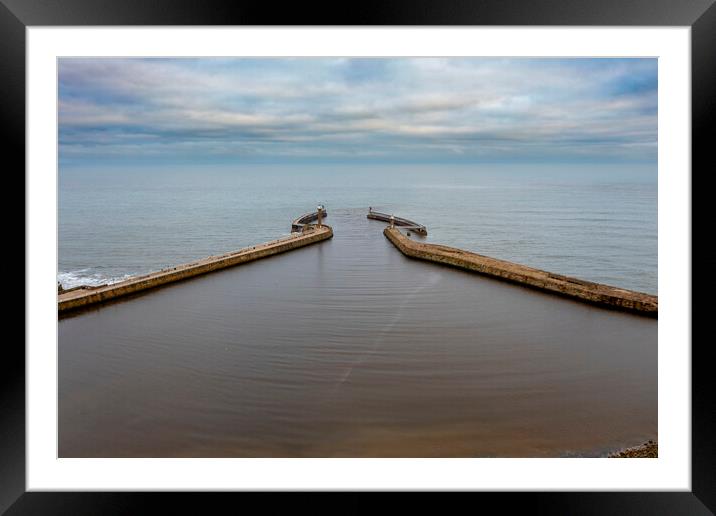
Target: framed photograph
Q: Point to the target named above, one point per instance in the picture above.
(407, 249)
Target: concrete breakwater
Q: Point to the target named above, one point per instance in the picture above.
(84, 296)
(594, 293)
(299, 223)
(398, 221)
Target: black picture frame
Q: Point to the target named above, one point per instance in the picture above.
(700, 15)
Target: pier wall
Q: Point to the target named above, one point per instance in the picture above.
(298, 224)
(399, 221)
(77, 298)
(594, 293)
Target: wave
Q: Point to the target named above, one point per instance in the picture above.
(80, 277)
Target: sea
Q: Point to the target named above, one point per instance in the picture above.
(597, 223)
(347, 348)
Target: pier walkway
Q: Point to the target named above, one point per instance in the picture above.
(83, 296)
(587, 291)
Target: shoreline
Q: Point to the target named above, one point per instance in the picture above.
(649, 449)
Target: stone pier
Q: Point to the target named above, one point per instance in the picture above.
(594, 293)
(84, 296)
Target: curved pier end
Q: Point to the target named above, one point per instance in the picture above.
(593, 293)
(84, 296)
(398, 221)
(304, 220)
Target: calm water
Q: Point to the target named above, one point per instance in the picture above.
(347, 348)
(596, 223)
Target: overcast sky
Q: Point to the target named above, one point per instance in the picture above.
(356, 110)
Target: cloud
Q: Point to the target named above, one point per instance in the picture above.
(398, 108)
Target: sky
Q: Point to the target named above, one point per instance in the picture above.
(355, 110)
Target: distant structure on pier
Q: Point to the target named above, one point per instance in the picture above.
(319, 214)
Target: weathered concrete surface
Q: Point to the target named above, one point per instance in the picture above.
(595, 293)
(83, 296)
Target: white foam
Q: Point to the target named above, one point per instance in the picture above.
(80, 277)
